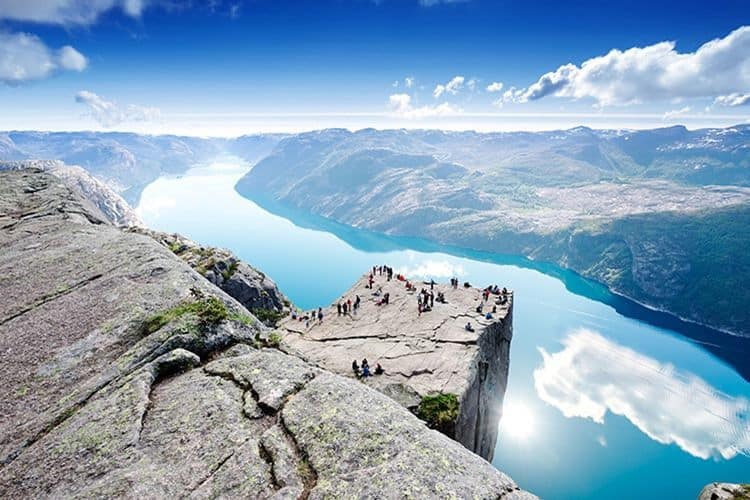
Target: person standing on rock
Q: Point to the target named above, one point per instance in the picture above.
(338, 308)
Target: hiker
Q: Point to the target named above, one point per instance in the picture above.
(432, 284)
(468, 327)
(488, 315)
(320, 314)
(338, 308)
(479, 309)
(379, 369)
(355, 368)
(365, 371)
(494, 309)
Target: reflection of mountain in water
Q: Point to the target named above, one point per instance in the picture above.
(731, 349)
(593, 375)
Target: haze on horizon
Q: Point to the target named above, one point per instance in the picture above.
(226, 68)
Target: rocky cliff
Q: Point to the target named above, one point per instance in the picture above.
(249, 286)
(126, 373)
(725, 491)
(453, 378)
(115, 209)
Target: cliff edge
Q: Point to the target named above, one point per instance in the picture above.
(129, 374)
(451, 376)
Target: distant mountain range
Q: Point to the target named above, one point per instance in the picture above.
(661, 216)
(129, 162)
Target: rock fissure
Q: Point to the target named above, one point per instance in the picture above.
(52, 296)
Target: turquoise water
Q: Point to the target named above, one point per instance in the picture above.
(605, 398)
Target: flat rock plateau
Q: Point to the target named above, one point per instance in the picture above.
(128, 374)
(423, 354)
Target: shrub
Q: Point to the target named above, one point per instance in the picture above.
(439, 411)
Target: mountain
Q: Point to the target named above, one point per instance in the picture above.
(129, 162)
(112, 207)
(660, 216)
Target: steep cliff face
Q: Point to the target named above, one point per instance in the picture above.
(451, 377)
(481, 404)
(128, 374)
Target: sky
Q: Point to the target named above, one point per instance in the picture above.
(229, 67)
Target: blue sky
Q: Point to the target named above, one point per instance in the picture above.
(231, 67)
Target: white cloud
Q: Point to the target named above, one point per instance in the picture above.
(66, 12)
(109, 113)
(651, 73)
(452, 87)
(400, 105)
(495, 87)
(734, 99)
(472, 84)
(409, 82)
(593, 375)
(676, 113)
(24, 57)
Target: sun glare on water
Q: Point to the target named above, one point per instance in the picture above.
(517, 421)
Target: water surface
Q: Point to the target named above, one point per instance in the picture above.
(605, 399)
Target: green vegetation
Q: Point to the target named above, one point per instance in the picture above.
(208, 310)
(268, 317)
(242, 318)
(440, 411)
(274, 340)
(693, 265)
(176, 247)
(228, 272)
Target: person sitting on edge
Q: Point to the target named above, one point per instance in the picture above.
(488, 315)
(379, 369)
(365, 371)
(468, 327)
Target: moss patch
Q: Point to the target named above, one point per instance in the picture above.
(209, 311)
(274, 340)
(268, 317)
(440, 411)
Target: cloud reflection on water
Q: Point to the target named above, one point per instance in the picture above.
(593, 374)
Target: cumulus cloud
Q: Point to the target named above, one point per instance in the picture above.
(593, 375)
(24, 57)
(495, 87)
(67, 12)
(452, 87)
(109, 113)
(676, 113)
(719, 67)
(401, 105)
(734, 99)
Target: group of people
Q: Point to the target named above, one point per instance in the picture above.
(348, 306)
(425, 301)
(364, 371)
(382, 270)
(307, 317)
